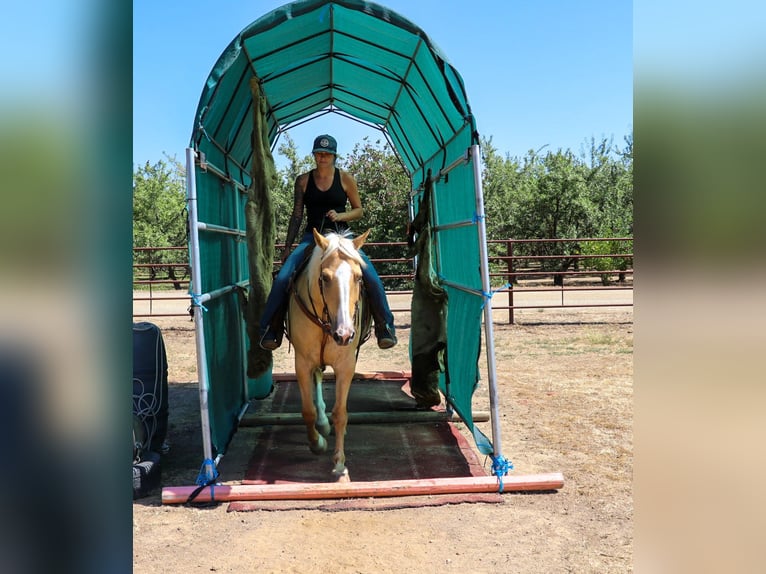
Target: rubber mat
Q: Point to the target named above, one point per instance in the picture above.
(374, 451)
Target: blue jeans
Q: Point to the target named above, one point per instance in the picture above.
(278, 296)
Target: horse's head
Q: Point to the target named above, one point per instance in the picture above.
(340, 282)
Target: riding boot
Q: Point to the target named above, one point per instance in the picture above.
(385, 333)
(272, 338)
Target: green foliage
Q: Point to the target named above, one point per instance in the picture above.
(283, 196)
(384, 188)
(610, 189)
(502, 180)
(608, 265)
(159, 216)
(159, 199)
(556, 195)
(559, 195)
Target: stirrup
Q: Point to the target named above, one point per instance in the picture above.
(270, 341)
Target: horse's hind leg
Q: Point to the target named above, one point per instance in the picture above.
(306, 382)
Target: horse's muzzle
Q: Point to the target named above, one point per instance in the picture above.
(343, 337)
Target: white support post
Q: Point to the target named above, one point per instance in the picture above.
(196, 272)
(488, 327)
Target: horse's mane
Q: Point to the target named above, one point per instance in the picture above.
(342, 242)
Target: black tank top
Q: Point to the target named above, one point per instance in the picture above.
(318, 203)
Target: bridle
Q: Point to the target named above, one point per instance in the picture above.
(323, 321)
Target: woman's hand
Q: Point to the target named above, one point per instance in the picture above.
(333, 215)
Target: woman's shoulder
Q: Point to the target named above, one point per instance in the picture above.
(346, 177)
(302, 179)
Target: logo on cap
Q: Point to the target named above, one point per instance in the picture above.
(324, 142)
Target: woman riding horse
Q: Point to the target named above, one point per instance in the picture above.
(323, 191)
(326, 326)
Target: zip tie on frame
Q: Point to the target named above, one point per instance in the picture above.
(477, 218)
(488, 296)
(197, 301)
(500, 467)
(204, 480)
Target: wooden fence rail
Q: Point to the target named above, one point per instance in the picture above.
(518, 267)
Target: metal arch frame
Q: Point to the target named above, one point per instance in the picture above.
(208, 471)
(473, 155)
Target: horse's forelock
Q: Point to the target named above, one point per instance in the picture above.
(343, 244)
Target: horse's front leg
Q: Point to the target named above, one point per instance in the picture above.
(340, 420)
(323, 423)
(306, 383)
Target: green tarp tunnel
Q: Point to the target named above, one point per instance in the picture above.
(362, 61)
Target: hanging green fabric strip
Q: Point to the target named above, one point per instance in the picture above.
(428, 336)
(260, 228)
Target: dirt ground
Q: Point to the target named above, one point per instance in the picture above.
(565, 383)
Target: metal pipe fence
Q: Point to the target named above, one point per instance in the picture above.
(568, 268)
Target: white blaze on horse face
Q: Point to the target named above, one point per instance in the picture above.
(344, 322)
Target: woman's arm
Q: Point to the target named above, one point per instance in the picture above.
(352, 192)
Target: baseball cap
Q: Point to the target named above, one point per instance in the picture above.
(325, 143)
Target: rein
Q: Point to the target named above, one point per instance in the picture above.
(312, 313)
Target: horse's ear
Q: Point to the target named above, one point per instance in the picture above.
(359, 241)
(320, 239)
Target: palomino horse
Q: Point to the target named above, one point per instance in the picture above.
(325, 326)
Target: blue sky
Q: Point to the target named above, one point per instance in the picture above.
(544, 73)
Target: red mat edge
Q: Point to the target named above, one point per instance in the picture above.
(380, 503)
(364, 375)
(387, 503)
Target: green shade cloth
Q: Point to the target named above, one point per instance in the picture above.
(359, 60)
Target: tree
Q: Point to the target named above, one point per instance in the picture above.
(384, 188)
(610, 188)
(610, 194)
(283, 196)
(553, 196)
(501, 183)
(551, 205)
(159, 218)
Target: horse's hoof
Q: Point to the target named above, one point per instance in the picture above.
(320, 446)
(341, 476)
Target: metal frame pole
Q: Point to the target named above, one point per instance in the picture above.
(488, 327)
(199, 330)
(242, 333)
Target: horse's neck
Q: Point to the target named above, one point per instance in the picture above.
(308, 284)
